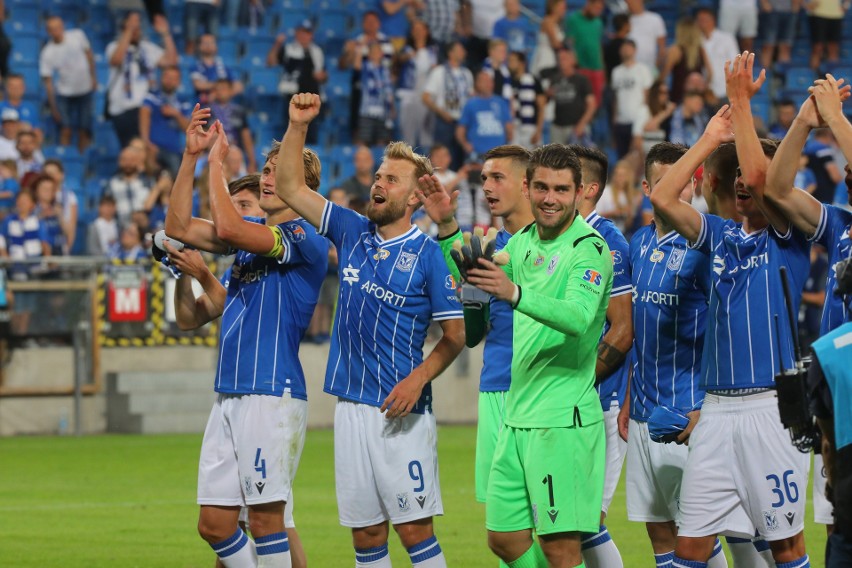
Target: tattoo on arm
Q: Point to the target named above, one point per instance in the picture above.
(609, 358)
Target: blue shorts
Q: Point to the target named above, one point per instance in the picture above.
(75, 112)
(778, 27)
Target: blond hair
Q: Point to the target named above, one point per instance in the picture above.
(688, 38)
(310, 161)
(403, 151)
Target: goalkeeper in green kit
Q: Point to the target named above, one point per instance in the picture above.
(548, 468)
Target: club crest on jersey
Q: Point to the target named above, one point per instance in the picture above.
(381, 254)
(551, 266)
(405, 262)
(770, 519)
(402, 502)
(593, 277)
(676, 259)
(539, 260)
(657, 255)
(295, 233)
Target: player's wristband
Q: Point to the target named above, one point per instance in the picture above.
(516, 297)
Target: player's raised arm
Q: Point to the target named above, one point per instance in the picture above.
(180, 224)
(192, 312)
(829, 95)
(290, 174)
(741, 87)
(230, 227)
(801, 208)
(665, 198)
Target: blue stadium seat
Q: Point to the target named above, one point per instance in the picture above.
(289, 19)
(762, 110)
(229, 47)
(263, 81)
(25, 49)
(339, 82)
(62, 152)
(799, 78)
(333, 25)
(24, 18)
(256, 49)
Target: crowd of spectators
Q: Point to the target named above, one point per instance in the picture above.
(86, 163)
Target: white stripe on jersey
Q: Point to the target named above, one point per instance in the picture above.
(257, 344)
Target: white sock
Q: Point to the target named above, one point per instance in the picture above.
(717, 559)
(763, 549)
(427, 554)
(744, 553)
(237, 551)
(599, 550)
(273, 551)
(377, 557)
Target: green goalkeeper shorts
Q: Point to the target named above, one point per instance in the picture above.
(549, 479)
(488, 426)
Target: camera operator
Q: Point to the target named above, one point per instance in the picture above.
(830, 389)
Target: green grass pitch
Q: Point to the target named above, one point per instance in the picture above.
(125, 501)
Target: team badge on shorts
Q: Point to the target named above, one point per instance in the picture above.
(676, 259)
(406, 261)
(248, 486)
(770, 520)
(402, 502)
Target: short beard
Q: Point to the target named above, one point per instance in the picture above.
(392, 212)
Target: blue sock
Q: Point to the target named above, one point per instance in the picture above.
(760, 544)
(664, 560)
(370, 556)
(421, 553)
(681, 563)
(272, 544)
(236, 550)
(803, 562)
(591, 540)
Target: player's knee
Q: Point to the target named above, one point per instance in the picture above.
(411, 534)
(698, 549)
(212, 531)
(370, 537)
(266, 519)
(788, 549)
(662, 535)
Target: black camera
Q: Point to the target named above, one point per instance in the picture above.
(843, 273)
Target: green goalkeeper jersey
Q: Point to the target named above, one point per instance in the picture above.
(565, 285)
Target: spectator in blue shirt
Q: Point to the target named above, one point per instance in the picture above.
(394, 17)
(16, 88)
(209, 68)
(514, 28)
(163, 119)
(233, 119)
(129, 246)
(689, 119)
(22, 235)
(43, 189)
(377, 110)
(486, 119)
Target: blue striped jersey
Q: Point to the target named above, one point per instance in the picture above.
(833, 234)
(614, 387)
(671, 289)
(742, 348)
(496, 372)
(268, 308)
(389, 292)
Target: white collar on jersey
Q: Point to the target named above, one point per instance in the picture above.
(593, 217)
(410, 233)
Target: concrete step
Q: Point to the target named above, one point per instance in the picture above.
(160, 382)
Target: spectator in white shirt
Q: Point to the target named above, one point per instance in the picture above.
(133, 64)
(68, 56)
(630, 83)
(129, 187)
(739, 18)
(103, 232)
(720, 46)
(11, 124)
(648, 30)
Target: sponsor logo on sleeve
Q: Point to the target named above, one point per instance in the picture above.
(593, 277)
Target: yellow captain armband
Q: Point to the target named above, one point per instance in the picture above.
(277, 250)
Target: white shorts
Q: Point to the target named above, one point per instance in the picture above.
(743, 472)
(289, 521)
(739, 20)
(823, 510)
(251, 449)
(616, 449)
(654, 474)
(384, 469)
